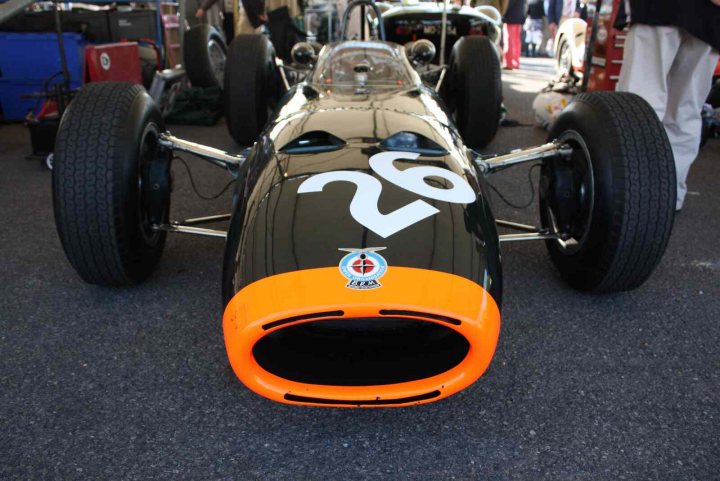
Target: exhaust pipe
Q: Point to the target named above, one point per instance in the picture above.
(303, 338)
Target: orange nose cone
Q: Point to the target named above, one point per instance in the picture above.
(303, 337)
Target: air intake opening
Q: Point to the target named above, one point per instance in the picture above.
(313, 142)
(361, 352)
(363, 402)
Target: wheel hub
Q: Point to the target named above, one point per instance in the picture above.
(567, 194)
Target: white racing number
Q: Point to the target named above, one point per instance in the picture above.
(413, 179)
(364, 205)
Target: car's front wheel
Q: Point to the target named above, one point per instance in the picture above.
(613, 200)
(111, 184)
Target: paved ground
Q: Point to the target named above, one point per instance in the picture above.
(134, 383)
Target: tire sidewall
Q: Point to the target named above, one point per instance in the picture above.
(140, 253)
(608, 191)
(196, 58)
(475, 90)
(250, 86)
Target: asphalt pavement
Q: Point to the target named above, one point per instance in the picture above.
(134, 383)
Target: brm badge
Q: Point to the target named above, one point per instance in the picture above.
(363, 268)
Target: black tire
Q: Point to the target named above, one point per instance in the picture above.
(615, 198)
(708, 128)
(473, 90)
(111, 183)
(714, 96)
(250, 85)
(707, 131)
(204, 56)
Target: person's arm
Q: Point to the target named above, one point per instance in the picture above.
(204, 7)
(554, 13)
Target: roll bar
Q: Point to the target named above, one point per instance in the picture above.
(363, 4)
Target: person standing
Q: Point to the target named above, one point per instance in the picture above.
(228, 17)
(557, 12)
(546, 44)
(670, 55)
(251, 16)
(582, 11)
(534, 26)
(514, 19)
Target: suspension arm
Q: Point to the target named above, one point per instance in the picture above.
(188, 226)
(490, 165)
(214, 156)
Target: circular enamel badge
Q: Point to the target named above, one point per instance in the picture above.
(363, 268)
(105, 61)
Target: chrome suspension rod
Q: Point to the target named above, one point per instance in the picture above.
(281, 68)
(205, 220)
(527, 237)
(186, 226)
(516, 226)
(490, 165)
(211, 154)
(183, 229)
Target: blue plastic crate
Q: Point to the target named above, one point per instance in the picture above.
(36, 56)
(12, 103)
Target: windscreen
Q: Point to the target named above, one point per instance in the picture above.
(362, 67)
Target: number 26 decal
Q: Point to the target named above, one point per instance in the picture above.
(364, 205)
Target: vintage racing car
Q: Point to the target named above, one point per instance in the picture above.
(362, 262)
(408, 21)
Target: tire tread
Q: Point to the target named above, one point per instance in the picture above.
(643, 192)
(86, 184)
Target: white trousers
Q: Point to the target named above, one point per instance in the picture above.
(672, 70)
(242, 22)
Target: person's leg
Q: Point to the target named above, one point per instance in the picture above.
(649, 55)
(505, 43)
(537, 42)
(514, 47)
(519, 49)
(545, 42)
(242, 23)
(228, 26)
(689, 83)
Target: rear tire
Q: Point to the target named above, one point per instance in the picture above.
(250, 83)
(615, 198)
(204, 56)
(714, 96)
(709, 128)
(111, 183)
(474, 89)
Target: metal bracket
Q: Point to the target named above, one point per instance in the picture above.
(490, 165)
